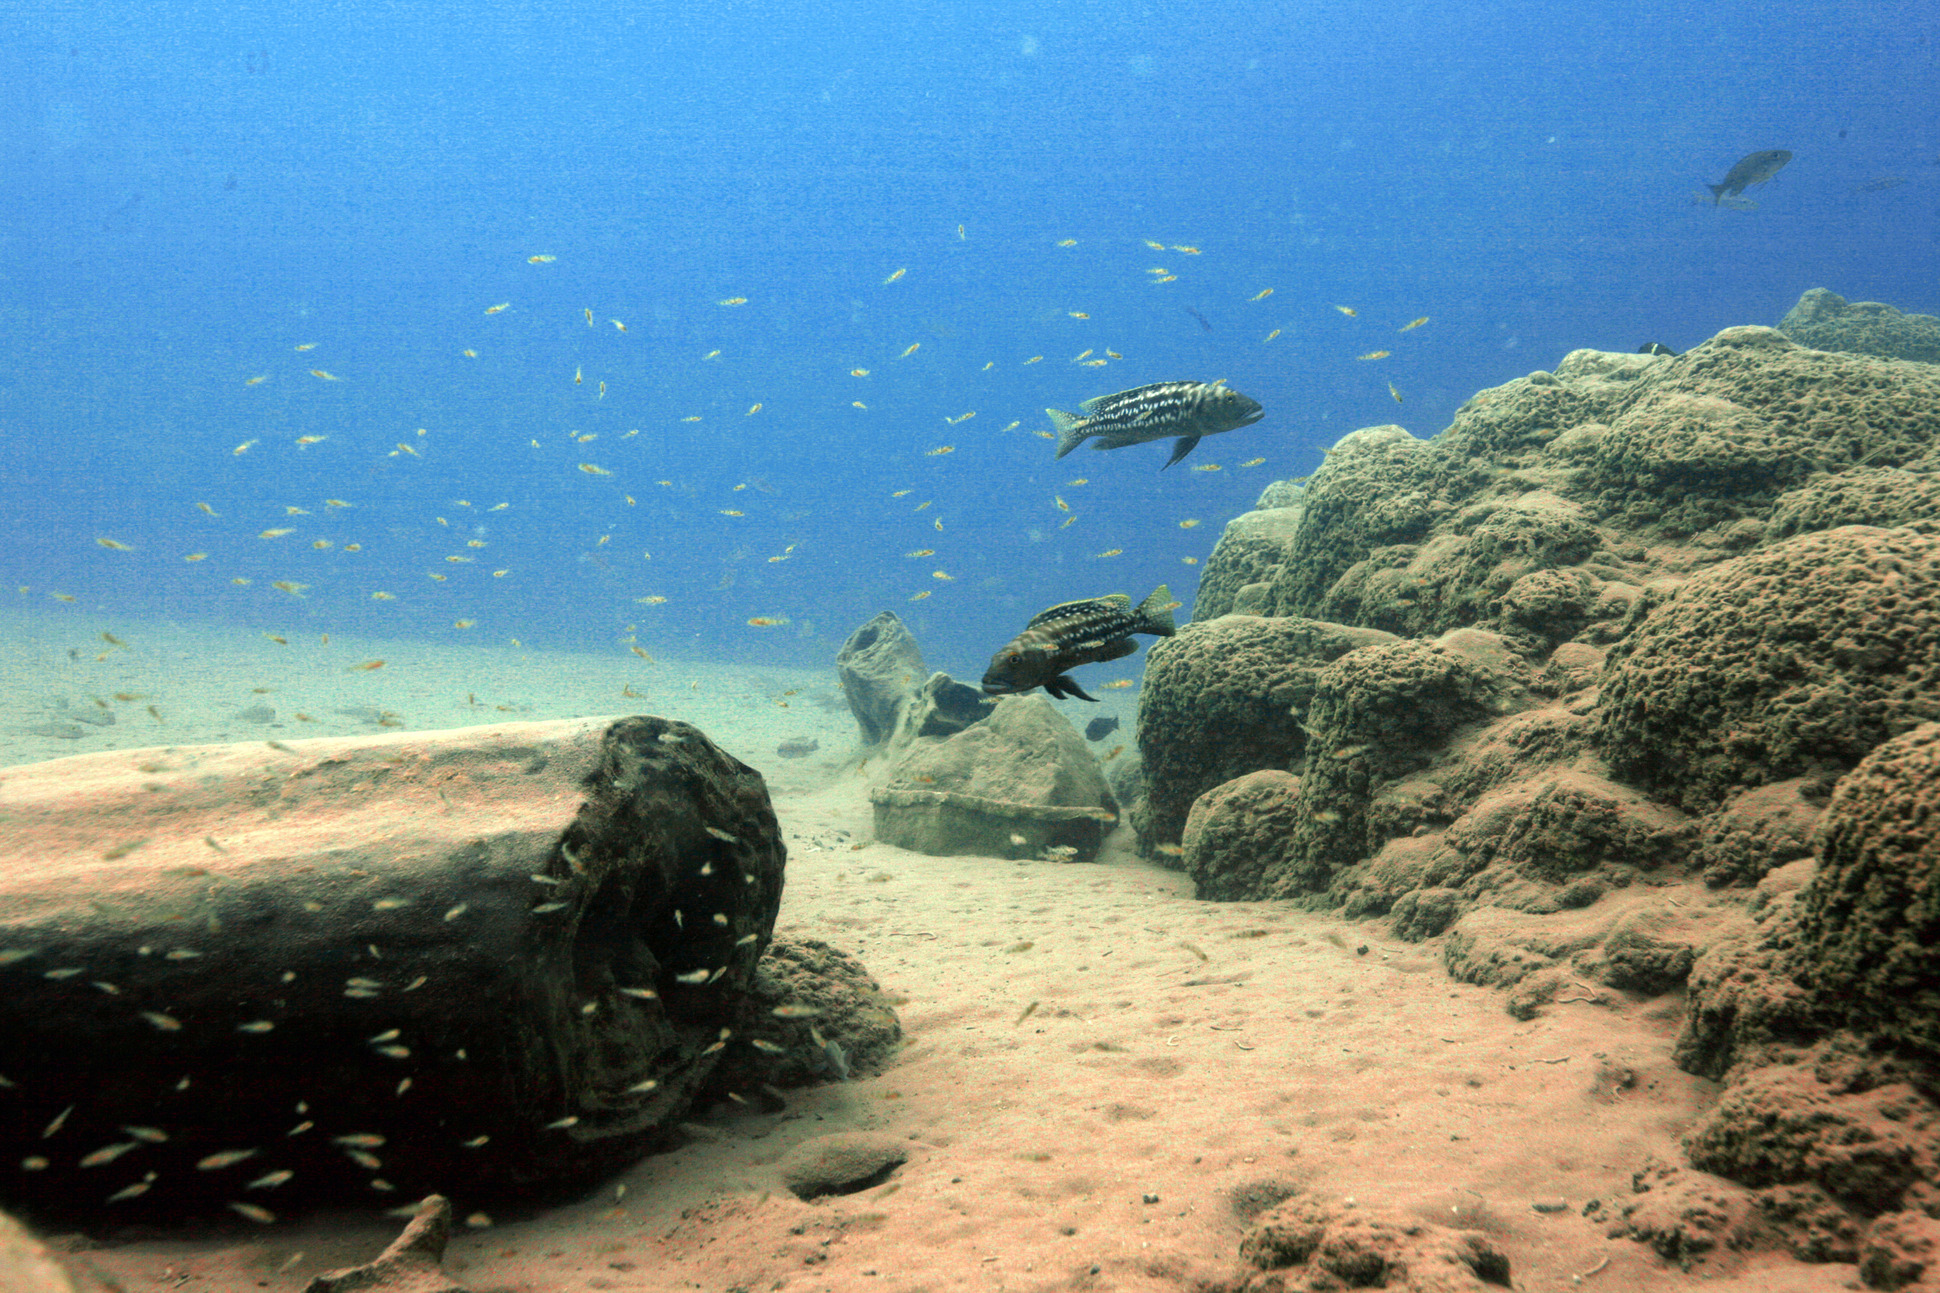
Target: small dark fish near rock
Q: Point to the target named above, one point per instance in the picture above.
(1752, 169)
(1162, 411)
(1075, 633)
(1100, 728)
(797, 748)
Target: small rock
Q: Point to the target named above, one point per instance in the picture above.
(798, 748)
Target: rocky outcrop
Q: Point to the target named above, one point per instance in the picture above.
(1310, 1244)
(1827, 321)
(1021, 783)
(496, 960)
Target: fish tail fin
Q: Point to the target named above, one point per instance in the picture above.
(1070, 430)
(1155, 612)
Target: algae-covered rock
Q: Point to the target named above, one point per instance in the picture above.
(1252, 549)
(1224, 698)
(1800, 657)
(1237, 836)
(1869, 928)
(1825, 320)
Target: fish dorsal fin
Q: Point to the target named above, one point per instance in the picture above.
(1063, 610)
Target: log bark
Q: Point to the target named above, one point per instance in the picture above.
(360, 970)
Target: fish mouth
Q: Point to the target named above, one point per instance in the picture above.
(1251, 416)
(999, 688)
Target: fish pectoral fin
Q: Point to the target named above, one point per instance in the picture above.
(1180, 448)
(1063, 685)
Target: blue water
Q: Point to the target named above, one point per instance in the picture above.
(189, 193)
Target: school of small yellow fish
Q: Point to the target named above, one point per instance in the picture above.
(319, 548)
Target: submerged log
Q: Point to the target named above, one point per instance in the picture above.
(365, 969)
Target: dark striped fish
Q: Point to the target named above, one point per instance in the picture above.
(1161, 411)
(1075, 633)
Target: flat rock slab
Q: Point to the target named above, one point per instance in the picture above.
(844, 1162)
(358, 970)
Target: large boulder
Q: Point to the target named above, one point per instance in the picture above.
(494, 961)
(1798, 658)
(1021, 783)
(1224, 698)
(1824, 320)
(1251, 553)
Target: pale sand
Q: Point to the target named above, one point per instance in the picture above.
(1177, 1049)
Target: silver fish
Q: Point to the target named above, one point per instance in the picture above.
(1161, 411)
(1752, 169)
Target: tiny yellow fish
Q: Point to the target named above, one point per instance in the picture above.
(1113, 354)
(328, 377)
(642, 654)
(1096, 363)
(1188, 524)
(753, 409)
(920, 506)
(1375, 354)
(617, 325)
(1062, 505)
(1077, 314)
(767, 621)
(196, 556)
(893, 277)
(1412, 324)
(1208, 466)
(961, 417)
(728, 511)
(275, 534)
(1252, 462)
(369, 666)
(471, 354)
(940, 451)
(1069, 242)
(579, 376)
(464, 624)
(1262, 294)
(540, 259)
(943, 575)
(115, 544)
(602, 390)
(652, 599)
(914, 346)
(920, 596)
(308, 345)
(1186, 251)
(1034, 359)
(383, 597)
(858, 404)
(735, 300)
(1271, 335)
(494, 309)
(1349, 311)
(589, 316)
(901, 492)
(305, 441)
(921, 552)
(335, 502)
(938, 523)
(1081, 480)
(593, 469)
(1112, 552)
(1084, 354)
(712, 354)
(1155, 246)
(1119, 684)
(256, 381)
(858, 372)
(1190, 561)
(692, 417)
(961, 237)
(1394, 392)
(290, 587)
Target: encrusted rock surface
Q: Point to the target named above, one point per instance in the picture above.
(1825, 320)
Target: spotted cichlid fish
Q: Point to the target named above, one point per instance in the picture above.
(1161, 411)
(1075, 633)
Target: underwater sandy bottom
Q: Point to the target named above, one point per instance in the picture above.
(1177, 1050)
